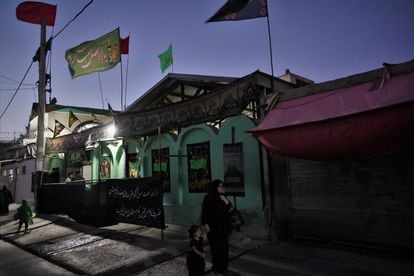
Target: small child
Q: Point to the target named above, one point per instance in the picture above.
(195, 259)
(25, 215)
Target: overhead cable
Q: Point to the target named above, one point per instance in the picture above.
(17, 90)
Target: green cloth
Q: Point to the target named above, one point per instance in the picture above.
(196, 164)
(94, 56)
(166, 59)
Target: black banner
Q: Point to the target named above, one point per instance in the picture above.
(134, 200)
(199, 174)
(138, 201)
(225, 101)
(161, 166)
(233, 169)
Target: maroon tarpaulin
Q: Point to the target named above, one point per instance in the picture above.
(352, 122)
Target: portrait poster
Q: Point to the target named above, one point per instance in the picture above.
(105, 167)
(133, 163)
(199, 172)
(161, 166)
(233, 169)
(75, 158)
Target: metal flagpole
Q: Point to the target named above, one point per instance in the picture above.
(100, 88)
(270, 48)
(126, 77)
(122, 86)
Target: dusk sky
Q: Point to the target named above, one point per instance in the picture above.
(319, 39)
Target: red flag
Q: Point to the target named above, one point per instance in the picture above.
(33, 12)
(125, 45)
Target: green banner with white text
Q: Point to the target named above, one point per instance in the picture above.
(94, 56)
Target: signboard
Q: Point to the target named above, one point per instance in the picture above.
(233, 169)
(161, 166)
(198, 161)
(138, 201)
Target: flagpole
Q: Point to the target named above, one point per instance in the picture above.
(126, 82)
(126, 76)
(122, 86)
(270, 49)
(100, 88)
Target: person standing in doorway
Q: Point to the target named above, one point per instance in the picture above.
(215, 216)
(5, 199)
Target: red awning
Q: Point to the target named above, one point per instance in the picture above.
(352, 122)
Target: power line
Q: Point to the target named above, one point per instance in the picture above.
(13, 82)
(28, 69)
(17, 90)
(12, 89)
(73, 19)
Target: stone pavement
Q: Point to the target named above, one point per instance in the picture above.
(117, 249)
(127, 249)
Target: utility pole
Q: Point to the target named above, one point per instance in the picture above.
(40, 142)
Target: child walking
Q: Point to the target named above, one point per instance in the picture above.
(195, 259)
(25, 215)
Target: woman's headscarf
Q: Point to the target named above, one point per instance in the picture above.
(214, 186)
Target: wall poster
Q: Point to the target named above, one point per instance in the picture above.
(161, 166)
(199, 172)
(133, 165)
(233, 169)
(75, 158)
(105, 167)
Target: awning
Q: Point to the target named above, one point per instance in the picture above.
(353, 122)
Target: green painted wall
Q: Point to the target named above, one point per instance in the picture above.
(182, 207)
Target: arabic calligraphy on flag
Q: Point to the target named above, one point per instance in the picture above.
(96, 55)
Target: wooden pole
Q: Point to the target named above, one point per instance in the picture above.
(40, 142)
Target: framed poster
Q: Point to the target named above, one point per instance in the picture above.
(105, 167)
(161, 166)
(75, 158)
(233, 169)
(133, 165)
(198, 163)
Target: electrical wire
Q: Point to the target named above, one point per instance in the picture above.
(28, 69)
(73, 19)
(17, 90)
(12, 80)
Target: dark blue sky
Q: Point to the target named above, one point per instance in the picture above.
(319, 39)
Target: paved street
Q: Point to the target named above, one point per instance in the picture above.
(16, 261)
(57, 245)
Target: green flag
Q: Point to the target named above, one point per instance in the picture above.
(94, 56)
(166, 59)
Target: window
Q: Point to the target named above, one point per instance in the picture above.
(23, 170)
(17, 170)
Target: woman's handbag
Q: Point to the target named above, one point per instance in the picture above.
(16, 216)
(236, 219)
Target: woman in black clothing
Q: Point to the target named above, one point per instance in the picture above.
(216, 218)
